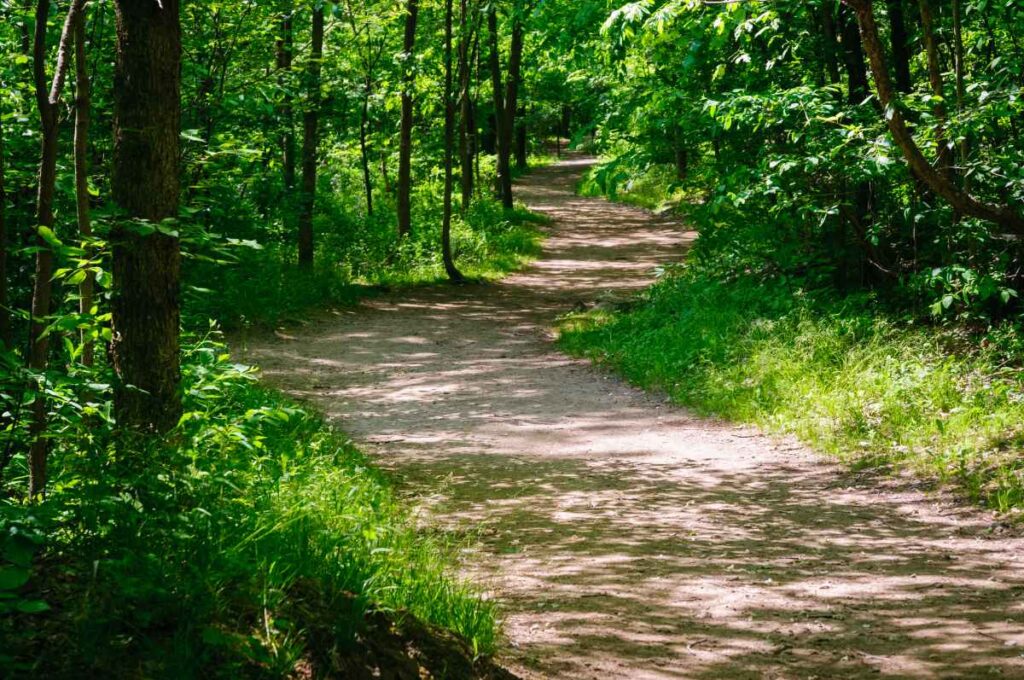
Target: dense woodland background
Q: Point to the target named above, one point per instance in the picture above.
(854, 169)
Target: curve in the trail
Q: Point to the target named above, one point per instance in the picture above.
(627, 538)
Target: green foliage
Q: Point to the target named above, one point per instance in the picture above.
(223, 550)
(872, 390)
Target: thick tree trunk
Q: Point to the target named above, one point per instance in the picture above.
(47, 101)
(405, 134)
(145, 183)
(310, 140)
(449, 151)
(831, 37)
(960, 200)
(900, 46)
(83, 112)
(853, 59)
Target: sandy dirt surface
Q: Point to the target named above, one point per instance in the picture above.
(624, 537)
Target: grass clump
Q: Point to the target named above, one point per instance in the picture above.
(852, 382)
(251, 542)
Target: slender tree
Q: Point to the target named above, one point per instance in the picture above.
(5, 314)
(83, 113)
(285, 53)
(503, 138)
(931, 47)
(467, 124)
(145, 183)
(449, 149)
(311, 139)
(48, 96)
(405, 140)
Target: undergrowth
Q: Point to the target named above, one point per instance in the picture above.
(219, 551)
(871, 390)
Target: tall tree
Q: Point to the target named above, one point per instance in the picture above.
(900, 40)
(449, 149)
(311, 138)
(48, 96)
(503, 137)
(145, 184)
(5, 314)
(412, 9)
(83, 113)
(467, 122)
(285, 53)
(931, 46)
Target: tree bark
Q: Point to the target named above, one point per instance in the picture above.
(960, 200)
(285, 49)
(502, 136)
(900, 46)
(853, 60)
(47, 101)
(310, 140)
(5, 314)
(449, 151)
(364, 148)
(467, 128)
(83, 112)
(831, 34)
(931, 46)
(145, 183)
(405, 135)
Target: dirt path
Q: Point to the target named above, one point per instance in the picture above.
(627, 538)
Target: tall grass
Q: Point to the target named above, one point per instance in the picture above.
(250, 540)
(845, 378)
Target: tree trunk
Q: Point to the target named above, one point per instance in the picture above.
(961, 201)
(145, 183)
(405, 136)
(853, 59)
(938, 89)
(364, 149)
(83, 111)
(5, 315)
(961, 87)
(310, 140)
(522, 142)
(467, 131)
(831, 35)
(507, 129)
(285, 57)
(900, 46)
(501, 140)
(47, 101)
(449, 151)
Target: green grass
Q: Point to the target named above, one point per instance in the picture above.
(253, 539)
(356, 257)
(870, 390)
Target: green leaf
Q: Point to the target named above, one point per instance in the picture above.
(33, 607)
(13, 577)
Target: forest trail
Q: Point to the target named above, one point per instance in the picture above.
(625, 537)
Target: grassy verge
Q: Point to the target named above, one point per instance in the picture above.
(358, 255)
(252, 543)
(870, 390)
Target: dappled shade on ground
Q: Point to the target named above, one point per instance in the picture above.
(625, 537)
